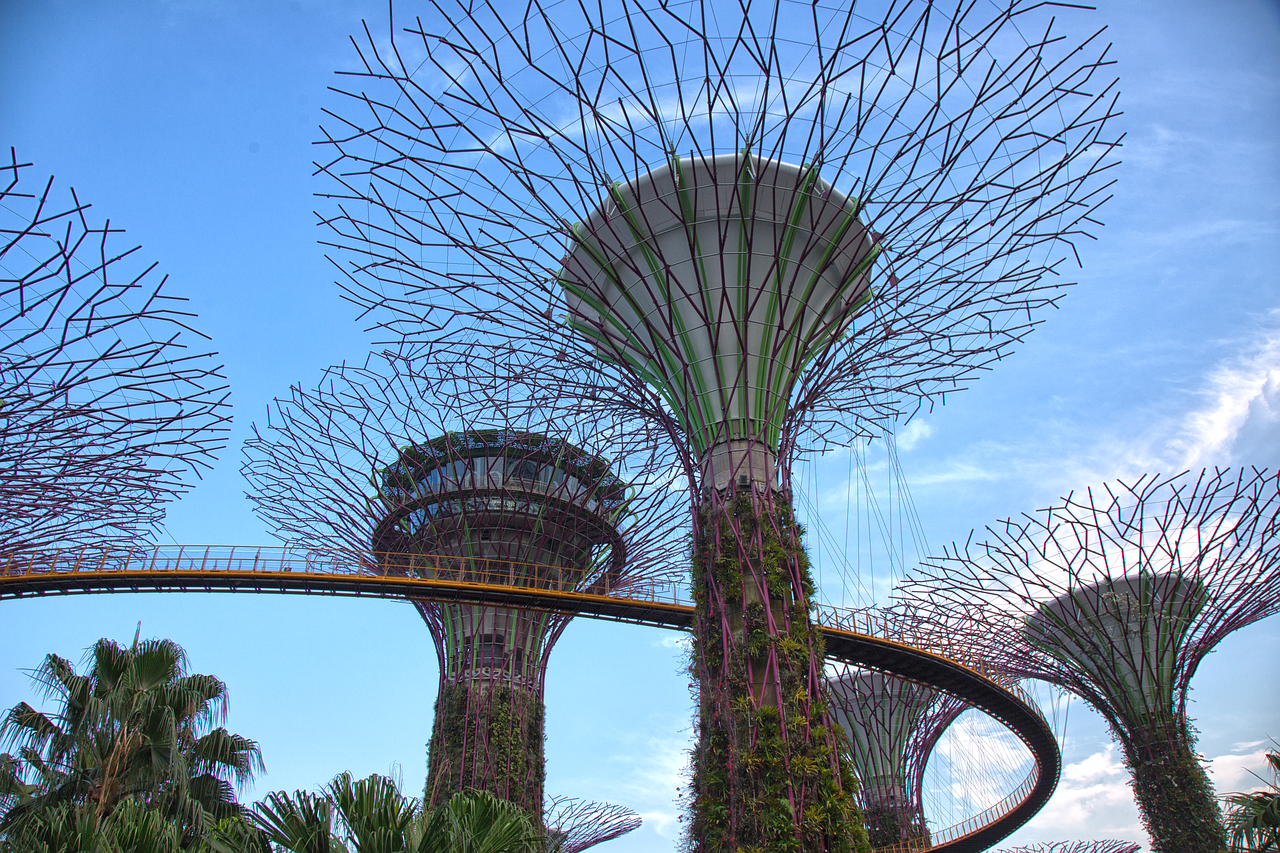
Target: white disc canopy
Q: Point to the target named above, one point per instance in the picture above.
(1124, 633)
(718, 280)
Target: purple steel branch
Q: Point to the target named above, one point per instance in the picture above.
(580, 824)
(105, 411)
(796, 224)
(1116, 595)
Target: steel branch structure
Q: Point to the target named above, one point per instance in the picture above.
(761, 232)
(580, 824)
(893, 726)
(104, 412)
(1116, 595)
(1078, 847)
(382, 462)
(929, 657)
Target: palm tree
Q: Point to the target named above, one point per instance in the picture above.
(1253, 821)
(478, 822)
(136, 729)
(372, 816)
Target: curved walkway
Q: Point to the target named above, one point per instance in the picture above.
(850, 637)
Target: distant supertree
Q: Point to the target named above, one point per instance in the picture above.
(579, 824)
(794, 223)
(893, 726)
(1077, 847)
(386, 463)
(1116, 595)
(104, 412)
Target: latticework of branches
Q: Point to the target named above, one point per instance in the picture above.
(580, 824)
(313, 467)
(383, 461)
(974, 157)
(1117, 594)
(760, 231)
(104, 411)
(1207, 546)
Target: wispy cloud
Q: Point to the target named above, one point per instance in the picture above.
(1242, 402)
(914, 433)
(1233, 419)
(1245, 768)
(646, 771)
(1093, 799)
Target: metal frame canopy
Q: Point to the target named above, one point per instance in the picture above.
(718, 281)
(1116, 594)
(560, 500)
(106, 410)
(971, 145)
(1123, 634)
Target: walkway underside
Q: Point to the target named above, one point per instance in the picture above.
(253, 569)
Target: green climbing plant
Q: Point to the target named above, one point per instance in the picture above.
(770, 771)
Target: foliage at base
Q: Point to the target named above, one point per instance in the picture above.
(1253, 819)
(488, 737)
(372, 816)
(1174, 794)
(888, 825)
(127, 757)
(768, 775)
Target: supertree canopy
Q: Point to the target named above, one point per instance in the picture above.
(893, 726)
(384, 461)
(1107, 846)
(104, 411)
(458, 504)
(761, 231)
(1117, 595)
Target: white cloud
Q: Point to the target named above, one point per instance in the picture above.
(645, 771)
(1245, 768)
(1242, 414)
(1159, 147)
(1234, 420)
(915, 432)
(654, 775)
(1093, 799)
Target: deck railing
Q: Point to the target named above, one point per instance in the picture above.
(480, 571)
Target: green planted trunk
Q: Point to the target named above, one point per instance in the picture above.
(1174, 793)
(488, 737)
(888, 825)
(768, 769)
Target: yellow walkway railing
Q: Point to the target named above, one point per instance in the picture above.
(851, 636)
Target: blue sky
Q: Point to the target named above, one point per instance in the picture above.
(190, 125)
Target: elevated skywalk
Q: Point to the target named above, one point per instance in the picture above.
(851, 637)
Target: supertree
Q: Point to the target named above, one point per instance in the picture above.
(385, 463)
(795, 223)
(1107, 846)
(1116, 595)
(104, 411)
(893, 725)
